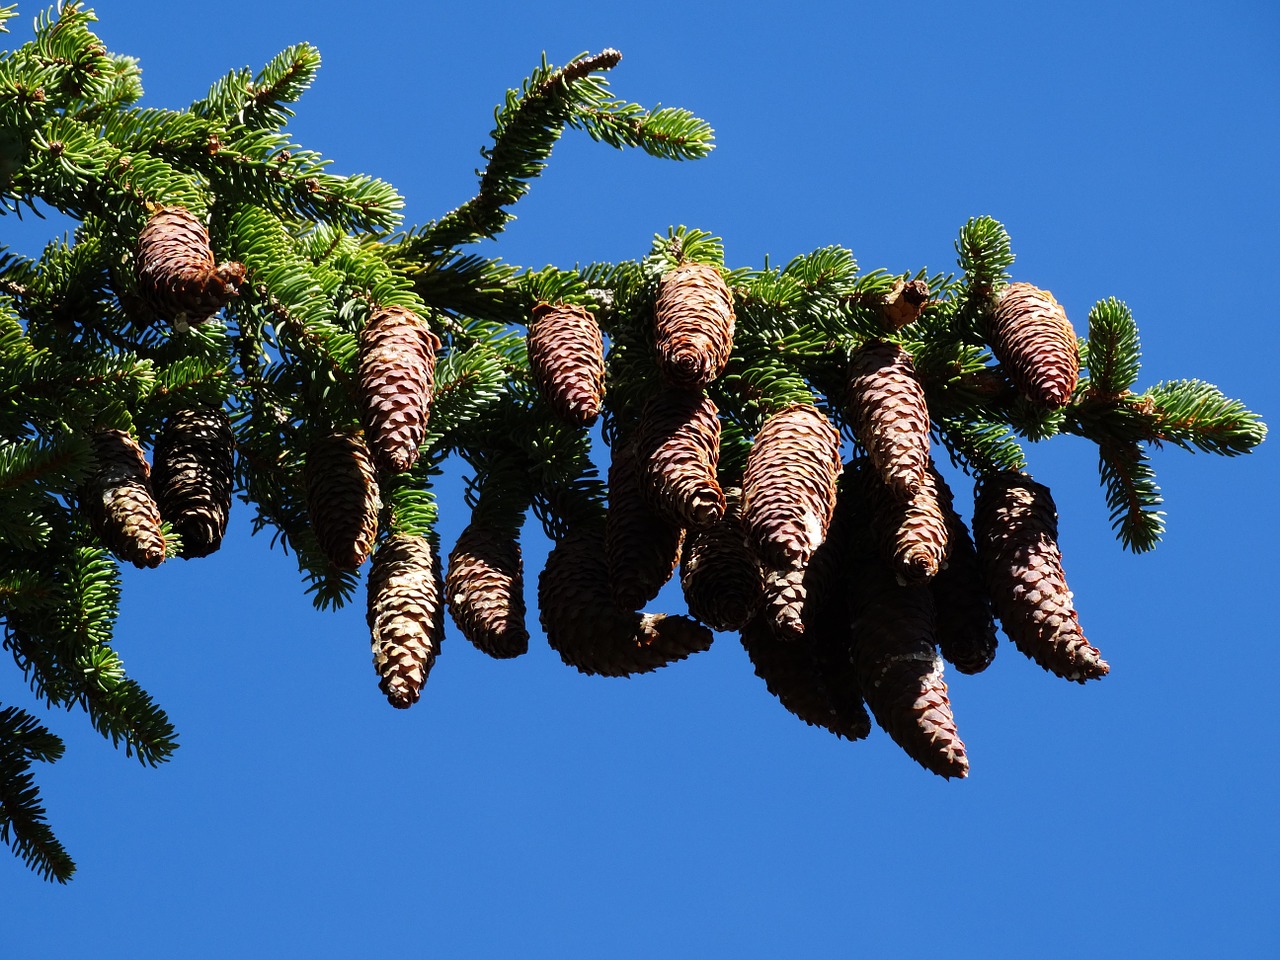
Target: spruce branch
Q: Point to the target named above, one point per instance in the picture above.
(23, 824)
(1197, 416)
(1132, 495)
(1113, 352)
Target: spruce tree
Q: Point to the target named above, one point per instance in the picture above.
(231, 321)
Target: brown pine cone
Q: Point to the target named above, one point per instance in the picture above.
(693, 325)
(342, 498)
(912, 534)
(405, 616)
(1034, 341)
(117, 499)
(397, 381)
(587, 629)
(1015, 525)
(641, 546)
(789, 487)
(193, 477)
(484, 591)
(176, 272)
(966, 629)
(566, 359)
(889, 416)
(678, 449)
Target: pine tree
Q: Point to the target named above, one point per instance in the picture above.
(216, 265)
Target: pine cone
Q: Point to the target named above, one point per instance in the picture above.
(485, 591)
(1034, 341)
(789, 487)
(912, 535)
(117, 499)
(397, 372)
(566, 359)
(1015, 524)
(589, 632)
(342, 498)
(177, 276)
(693, 325)
(785, 594)
(405, 616)
(889, 416)
(966, 630)
(641, 547)
(678, 448)
(719, 573)
(193, 477)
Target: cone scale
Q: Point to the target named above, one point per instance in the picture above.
(1034, 341)
(719, 573)
(677, 450)
(693, 325)
(342, 498)
(889, 416)
(484, 591)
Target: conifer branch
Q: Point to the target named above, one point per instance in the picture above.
(1132, 495)
(23, 824)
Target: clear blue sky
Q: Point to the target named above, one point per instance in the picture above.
(521, 810)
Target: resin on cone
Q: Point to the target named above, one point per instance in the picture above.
(1015, 525)
(678, 449)
(693, 325)
(641, 546)
(889, 416)
(484, 590)
(566, 360)
(176, 271)
(118, 501)
(405, 616)
(397, 381)
(719, 572)
(1034, 341)
(193, 477)
(342, 498)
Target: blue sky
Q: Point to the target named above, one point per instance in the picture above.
(521, 810)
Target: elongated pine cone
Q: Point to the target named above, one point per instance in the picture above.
(342, 498)
(719, 573)
(1015, 526)
(484, 590)
(789, 487)
(118, 501)
(641, 546)
(176, 272)
(566, 359)
(889, 416)
(193, 477)
(589, 631)
(693, 325)
(966, 628)
(678, 449)
(405, 616)
(1034, 341)
(397, 381)
(913, 534)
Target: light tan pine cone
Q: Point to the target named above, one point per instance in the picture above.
(641, 546)
(1034, 341)
(342, 497)
(1015, 526)
(693, 325)
(176, 272)
(678, 449)
(193, 476)
(118, 501)
(397, 382)
(484, 590)
(887, 411)
(405, 616)
(566, 359)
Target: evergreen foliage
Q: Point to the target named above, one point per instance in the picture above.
(81, 351)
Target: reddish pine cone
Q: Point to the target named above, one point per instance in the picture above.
(566, 359)
(641, 547)
(193, 477)
(176, 273)
(397, 380)
(789, 487)
(678, 449)
(589, 632)
(912, 535)
(1015, 524)
(484, 591)
(342, 498)
(1034, 341)
(719, 573)
(889, 416)
(405, 616)
(966, 629)
(117, 499)
(693, 325)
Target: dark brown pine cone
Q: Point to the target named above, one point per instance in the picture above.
(889, 416)
(176, 272)
(678, 449)
(719, 573)
(693, 325)
(641, 546)
(405, 616)
(397, 381)
(193, 476)
(118, 501)
(1034, 341)
(912, 534)
(342, 498)
(566, 359)
(484, 590)
(966, 629)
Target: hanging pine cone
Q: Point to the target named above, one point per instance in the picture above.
(405, 616)
(176, 272)
(117, 499)
(784, 594)
(641, 547)
(719, 574)
(484, 590)
(589, 632)
(966, 629)
(566, 359)
(789, 487)
(678, 448)
(889, 416)
(912, 534)
(397, 371)
(693, 325)
(1034, 341)
(1015, 524)
(342, 498)
(193, 477)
